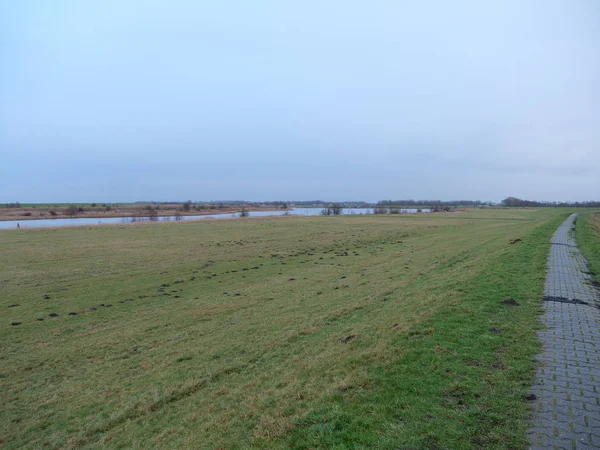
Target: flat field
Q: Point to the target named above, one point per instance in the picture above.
(301, 332)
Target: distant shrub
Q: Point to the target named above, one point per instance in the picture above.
(107, 208)
(71, 210)
(152, 213)
(186, 206)
(13, 205)
(333, 210)
(52, 212)
(94, 205)
(419, 210)
(394, 210)
(80, 209)
(380, 210)
(244, 213)
(26, 214)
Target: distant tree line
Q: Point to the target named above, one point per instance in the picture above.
(513, 201)
(309, 203)
(433, 203)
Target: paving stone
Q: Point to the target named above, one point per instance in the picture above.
(566, 413)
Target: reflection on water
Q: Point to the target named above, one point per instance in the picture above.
(81, 221)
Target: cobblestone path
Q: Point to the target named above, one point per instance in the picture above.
(567, 387)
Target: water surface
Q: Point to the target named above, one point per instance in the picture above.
(82, 221)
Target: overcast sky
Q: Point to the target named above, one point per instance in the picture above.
(117, 100)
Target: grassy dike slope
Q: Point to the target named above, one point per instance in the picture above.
(587, 233)
(321, 332)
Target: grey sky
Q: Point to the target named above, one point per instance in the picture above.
(131, 100)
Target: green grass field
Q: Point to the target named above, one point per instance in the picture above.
(301, 332)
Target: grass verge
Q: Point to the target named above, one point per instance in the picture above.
(587, 232)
